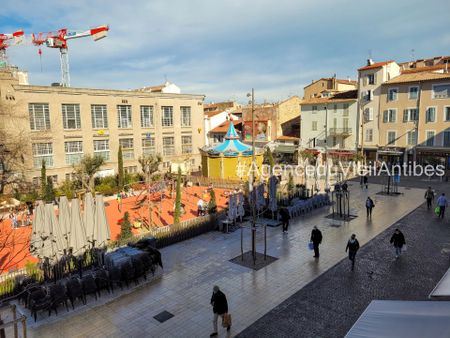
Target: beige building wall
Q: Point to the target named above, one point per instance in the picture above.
(55, 97)
(425, 100)
(316, 87)
(288, 113)
(369, 104)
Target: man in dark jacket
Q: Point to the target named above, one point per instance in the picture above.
(352, 247)
(220, 307)
(398, 239)
(316, 239)
(284, 213)
(429, 196)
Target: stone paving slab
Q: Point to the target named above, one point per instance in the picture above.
(329, 305)
(194, 266)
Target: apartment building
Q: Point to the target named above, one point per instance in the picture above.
(329, 84)
(330, 120)
(415, 123)
(370, 79)
(63, 123)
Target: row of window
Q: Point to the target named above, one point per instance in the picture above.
(345, 124)
(345, 107)
(412, 114)
(440, 91)
(40, 116)
(411, 137)
(74, 149)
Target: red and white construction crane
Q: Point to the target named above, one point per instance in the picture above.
(59, 40)
(7, 40)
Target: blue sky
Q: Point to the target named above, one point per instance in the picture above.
(224, 48)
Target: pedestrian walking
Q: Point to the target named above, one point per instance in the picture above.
(429, 196)
(316, 239)
(345, 186)
(352, 248)
(220, 308)
(366, 181)
(442, 203)
(369, 206)
(398, 239)
(284, 212)
(119, 201)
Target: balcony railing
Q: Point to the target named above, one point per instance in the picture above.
(340, 131)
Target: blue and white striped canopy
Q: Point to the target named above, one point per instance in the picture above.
(232, 145)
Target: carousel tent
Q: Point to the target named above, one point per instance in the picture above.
(232, 143)
(398, 319)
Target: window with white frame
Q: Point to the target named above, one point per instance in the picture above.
(146, 116)
(42, 152)
(392, 94)
(124, 116)
(314, 126)
(430, 115)
(390, 115)
(369, 135)
(368, 114)
(446, 142)
(74, 152)
(441, 91)
(391, 137)
(447, 114)
(412, 137)
(430, 138)
(218, 138)
(148, 146)
(167, 116)
(168, 146)
(345, 124)
(71, 116)
(413, 93)
(101, 148)
(186, 144)
(346, 110)
(39, 116)
(99, 116)
(127, 148)
(185, 116)
(411, 114)
(368, 95)
(371, 79)
(314, 109)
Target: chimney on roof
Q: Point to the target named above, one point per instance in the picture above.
(348, 78)
(370, 62)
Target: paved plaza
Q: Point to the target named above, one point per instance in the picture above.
(194, 266)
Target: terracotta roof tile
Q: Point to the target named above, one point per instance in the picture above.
(347, 96)
(376, 65)
(416, 77)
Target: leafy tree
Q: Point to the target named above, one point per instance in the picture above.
(290, 185)
(150, 165)
(177, 215)
(87, 168)
(212, 205)
(43, 180)
(67, 189)
(49, 191)
(120, 169)
(125, 227)
(268, 159)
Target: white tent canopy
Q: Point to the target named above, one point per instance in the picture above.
(399, 319)
(442, 289)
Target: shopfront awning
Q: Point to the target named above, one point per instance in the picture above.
(399, 319)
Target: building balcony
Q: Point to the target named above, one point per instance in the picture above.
(340, 131)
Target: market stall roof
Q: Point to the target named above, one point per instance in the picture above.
(231, 143)
(442, 288)
(398, 319)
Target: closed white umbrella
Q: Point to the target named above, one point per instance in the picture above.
(89, 217)
(241, 210)
(49, 249)
(64, 219)
(77, 234)
(101, 227)
(37, 243)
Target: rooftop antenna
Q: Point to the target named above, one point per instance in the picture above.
(165, 78)
(413, 54)
(370, 53)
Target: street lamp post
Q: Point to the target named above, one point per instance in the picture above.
(326, 148)
(252, 187)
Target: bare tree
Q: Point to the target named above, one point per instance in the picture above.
(150, 165)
